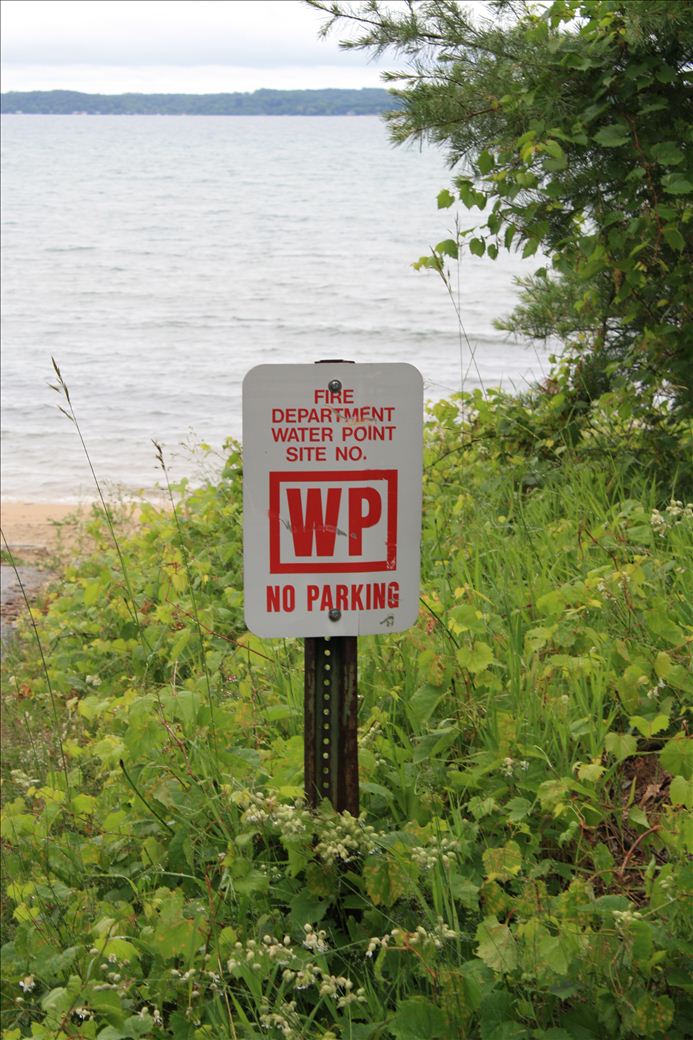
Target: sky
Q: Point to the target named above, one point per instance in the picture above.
(182, 46)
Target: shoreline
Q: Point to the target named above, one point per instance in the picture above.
(36, 529)
(38, 534)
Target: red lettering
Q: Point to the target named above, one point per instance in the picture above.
(281, 598)
(312, 434)
(312, 526)
(368, 433)
(345, 396)
(309, 453)
(312, 593)
(359, 519)
(342, 597)
(351, 454)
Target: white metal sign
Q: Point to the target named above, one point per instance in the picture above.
(332, 498)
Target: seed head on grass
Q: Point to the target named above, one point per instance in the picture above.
(131, 604)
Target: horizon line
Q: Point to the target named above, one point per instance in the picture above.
(171, 93)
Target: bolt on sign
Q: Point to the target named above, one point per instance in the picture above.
(332, 498)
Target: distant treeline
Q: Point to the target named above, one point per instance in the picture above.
(365, 102)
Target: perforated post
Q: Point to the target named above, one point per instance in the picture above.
(331, 716)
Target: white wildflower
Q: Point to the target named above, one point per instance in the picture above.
(277, 952)
(344, 837)
(420, 936)
(341, 989)
(436, 851)
(367, 738)
(291, 821)
(675, 513)
(624, 918)
(315, 941)
(352, 997)
(303, 977)
(655, 692)
(443, 931)
(152, 1011)
(22, 779)
(284, 1020)
(375, 943)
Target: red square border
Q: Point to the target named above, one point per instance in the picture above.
(276, 479)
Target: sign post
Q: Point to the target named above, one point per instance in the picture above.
(331, 723)
(332, 518)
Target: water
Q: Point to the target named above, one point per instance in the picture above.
(159, 258)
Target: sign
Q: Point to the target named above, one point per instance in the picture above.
(332, 498)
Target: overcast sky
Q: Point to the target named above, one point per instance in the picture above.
(186, 46)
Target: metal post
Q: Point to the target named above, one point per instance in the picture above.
(331, 764)
(331, 717)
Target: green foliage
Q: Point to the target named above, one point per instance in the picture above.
(569, 125)
(521, 868)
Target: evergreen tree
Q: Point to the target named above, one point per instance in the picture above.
(569, 126)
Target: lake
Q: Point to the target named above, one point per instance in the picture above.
(159, 258)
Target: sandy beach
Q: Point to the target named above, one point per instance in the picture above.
(37, 533)
(43, 537)
(35, 530)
